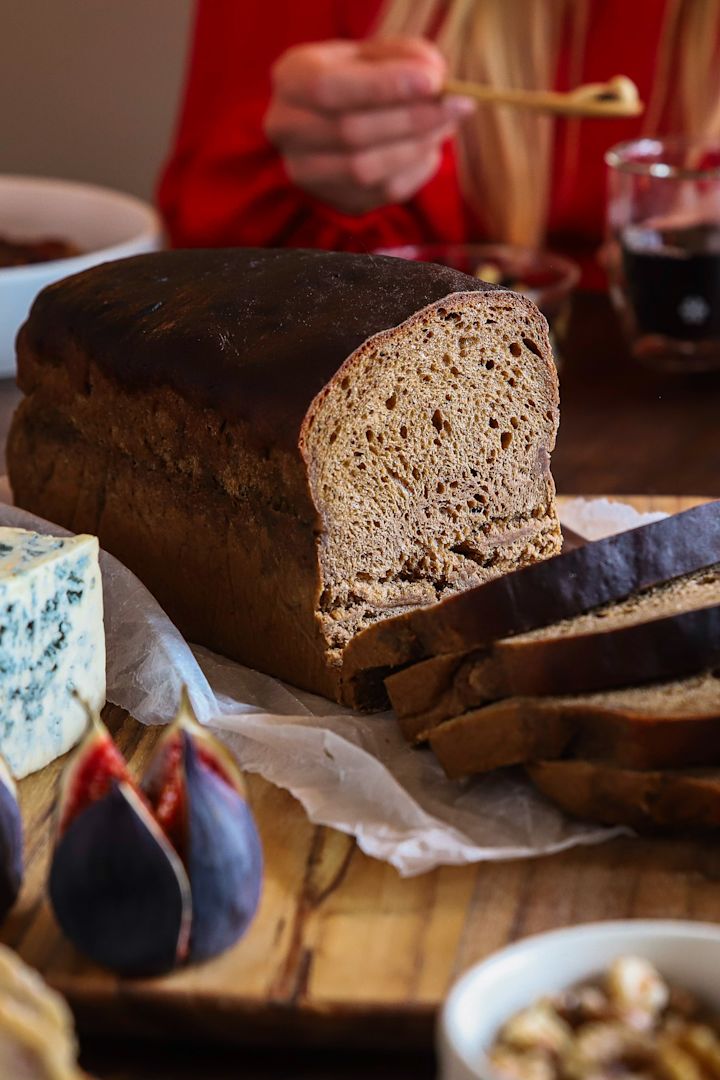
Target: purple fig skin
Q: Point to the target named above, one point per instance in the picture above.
(118, 889)
(224, 859)
(11, 846)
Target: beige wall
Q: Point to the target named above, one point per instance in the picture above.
(89, 88)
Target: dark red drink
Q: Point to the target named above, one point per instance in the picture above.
(672, 278)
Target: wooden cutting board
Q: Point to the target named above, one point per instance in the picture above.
(343, 949)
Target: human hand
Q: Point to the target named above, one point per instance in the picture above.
(361, 124)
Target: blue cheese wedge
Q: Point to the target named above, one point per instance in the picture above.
(52, 644)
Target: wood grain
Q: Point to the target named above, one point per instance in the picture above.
(343, 950)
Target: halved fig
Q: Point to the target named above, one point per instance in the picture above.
(145, 878)
(198, 796)
(119, 891)
(11, 842)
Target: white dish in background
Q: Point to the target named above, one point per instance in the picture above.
(104, 224)
(685, 953)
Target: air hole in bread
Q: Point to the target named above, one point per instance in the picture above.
(391, 401)
(493, 422)
(505, 439)
(531, 345)
(515, 348)
(437, 420)
(468, 552)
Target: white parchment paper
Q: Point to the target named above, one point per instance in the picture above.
(352, 772)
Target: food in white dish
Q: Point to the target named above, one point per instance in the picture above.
(628, 1023)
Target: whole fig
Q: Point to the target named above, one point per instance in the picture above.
(11, 842)
(147, 877)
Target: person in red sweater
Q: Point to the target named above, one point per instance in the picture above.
(323, 124)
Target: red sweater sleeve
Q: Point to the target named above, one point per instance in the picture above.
(224, 183)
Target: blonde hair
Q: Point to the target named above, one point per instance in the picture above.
(506, 155)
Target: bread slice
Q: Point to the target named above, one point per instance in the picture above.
(610, 795)
(599, 573)
(288, 446)
(664, 725)
(660, 634)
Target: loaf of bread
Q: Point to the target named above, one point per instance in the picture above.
(571, 584)
(288, 446)
(672, 799)
(656, 635)
(643, 727)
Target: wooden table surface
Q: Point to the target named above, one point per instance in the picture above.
(623, 431)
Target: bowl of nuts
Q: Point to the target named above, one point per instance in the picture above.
(635, 1000)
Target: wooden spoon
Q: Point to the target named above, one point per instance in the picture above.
(618, 97)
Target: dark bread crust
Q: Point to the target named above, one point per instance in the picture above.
(435, 690)
(249, 333)
(427, 694)
(518, 730)
(659, 649)
(168, 401)
(558, 588)
(642, 800)
(211, 563)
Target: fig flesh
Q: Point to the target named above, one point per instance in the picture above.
(147, 877)
(90, 773)
(11, 842)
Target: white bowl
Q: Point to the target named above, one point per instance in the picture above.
(686, 953)
(104, 224)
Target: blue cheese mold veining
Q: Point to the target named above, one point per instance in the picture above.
(52, 643)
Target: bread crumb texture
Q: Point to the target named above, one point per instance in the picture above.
(428, 458)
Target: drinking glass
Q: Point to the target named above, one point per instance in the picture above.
(663, 255)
